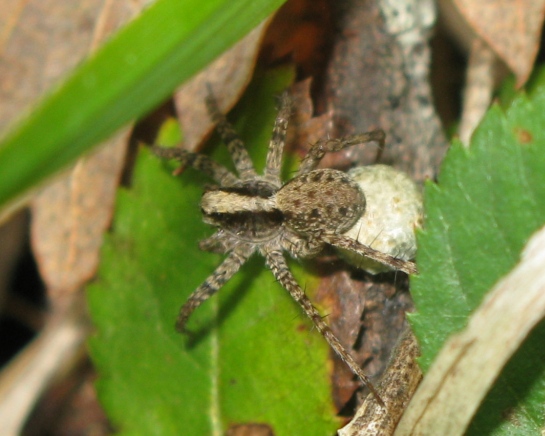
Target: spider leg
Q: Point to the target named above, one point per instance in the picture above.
(273, 165)
(363, 250)
(220, 243)
(229, 136)
(200, 162)
(299, 247)
(323, 146)
(277, 263)
(213, 283)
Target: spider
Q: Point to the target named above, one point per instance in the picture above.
(260, 213)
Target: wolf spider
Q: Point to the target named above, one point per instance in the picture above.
(260, 213)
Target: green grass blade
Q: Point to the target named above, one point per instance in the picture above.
(126, 78)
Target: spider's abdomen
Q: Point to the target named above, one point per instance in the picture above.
(321, 201)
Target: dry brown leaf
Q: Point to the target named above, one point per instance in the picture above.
(300, 32)
(70, 215)
(511, 28)
(306, 129)
(228, 75)
(478, 88)
(41, 40)
(470, 361)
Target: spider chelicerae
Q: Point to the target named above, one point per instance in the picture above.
(260, 213)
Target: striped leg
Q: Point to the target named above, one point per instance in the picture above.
(229, 136)
(213, 283)
(200, 162)
(273, 165)
(323, 146)
(363, 250)
(276, 262)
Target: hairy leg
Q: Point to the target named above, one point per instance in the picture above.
(213, 283)
(199, 162)
(363, 250)
(299, 247)
(277, 263)
(220, 243)
(273, 165)
(229, 136)
(320, 148)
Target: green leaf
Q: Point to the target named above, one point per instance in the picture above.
(255, 357)
(126, 78)
(488, 201)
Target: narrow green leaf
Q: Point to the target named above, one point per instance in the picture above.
(489, 199)
(127, 77)
(255, 357)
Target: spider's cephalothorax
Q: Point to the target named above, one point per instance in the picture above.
(257, 213)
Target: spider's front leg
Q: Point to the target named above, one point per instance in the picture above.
(213, 283)
(199, 162)
(323, 146)
(273, 164)
(277, 263)
(230, 137)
